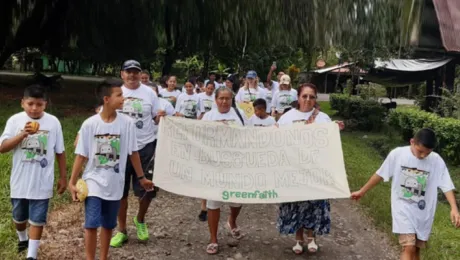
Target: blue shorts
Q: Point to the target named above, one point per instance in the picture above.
(101, 213)
(36, 211)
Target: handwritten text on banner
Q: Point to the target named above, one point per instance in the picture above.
(215, 161)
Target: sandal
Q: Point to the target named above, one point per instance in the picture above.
(312, 246)
(212, 249)
(236, 233)
(298, 248)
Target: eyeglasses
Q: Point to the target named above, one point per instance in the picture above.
(311, 97)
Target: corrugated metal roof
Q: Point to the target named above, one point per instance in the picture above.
(448, 13)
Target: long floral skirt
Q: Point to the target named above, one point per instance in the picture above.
(313, 215)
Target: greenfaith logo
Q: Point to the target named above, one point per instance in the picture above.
(268, 194)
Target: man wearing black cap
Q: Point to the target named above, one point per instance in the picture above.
(141, 104)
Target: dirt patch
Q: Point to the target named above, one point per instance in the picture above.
(176, 233)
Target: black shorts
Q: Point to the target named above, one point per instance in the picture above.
(146, 155)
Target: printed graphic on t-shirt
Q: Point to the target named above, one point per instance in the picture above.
(250, 97)
(261, 125)
(285, 101)
(133, 108)
(190, 107)
(207, 105)
(268, 97)
(34, 147)
(300, 121)
(413, 185)
(230, 122)
(170, 99)
(107, 152)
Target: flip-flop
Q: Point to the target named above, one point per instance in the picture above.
(312, 246)
(212, 249)
(298, 248)
(236, 233)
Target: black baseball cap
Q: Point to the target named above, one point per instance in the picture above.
(131, 64)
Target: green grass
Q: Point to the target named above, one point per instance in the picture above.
(362, 160)
(8, 237)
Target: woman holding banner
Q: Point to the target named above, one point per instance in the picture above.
(311, 215)
(230, 115)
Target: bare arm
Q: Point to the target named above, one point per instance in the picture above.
(450, 196)
(136, 162)
(11, 143)
(76, 170)
(62, 183)
(371, 183)
(454, 215)
(269, 76)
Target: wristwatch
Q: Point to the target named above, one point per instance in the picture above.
(140, 178)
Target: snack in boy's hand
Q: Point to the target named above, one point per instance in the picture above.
(34, 126)
(82, 190)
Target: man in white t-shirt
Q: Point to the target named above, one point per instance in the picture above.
(142, 105)
(35, 138)
(417, 174)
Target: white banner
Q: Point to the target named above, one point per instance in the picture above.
(214, 161)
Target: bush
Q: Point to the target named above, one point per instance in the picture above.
(371, 91)
(409, 121)
(360, 114)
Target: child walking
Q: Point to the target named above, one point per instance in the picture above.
(105, 141)
(35, 137)
(417, 174)
(260, 117)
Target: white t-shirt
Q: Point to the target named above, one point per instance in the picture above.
(229, 118)
(268, 98)
(206, 102)
(414, 189)
(294, 116)
(275, 86)
(169, 110)
(256, 121)
(107, 146)
(168, 94)
(282, 100)
(32, 174)
(245, 95)
(141, 105)
(188, 105)
(216, 84)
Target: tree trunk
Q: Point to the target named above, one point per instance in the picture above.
(95, 68)
(169, 61)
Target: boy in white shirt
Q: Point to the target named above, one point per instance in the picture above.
(35, 137)
(417, 174)
(105, 142)
(260, 117)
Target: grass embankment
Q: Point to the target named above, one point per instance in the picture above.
(364, 153)
(8, 237)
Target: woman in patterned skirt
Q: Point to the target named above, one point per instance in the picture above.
(314, 216)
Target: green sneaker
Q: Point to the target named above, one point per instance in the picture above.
(142, 232)
(119, 239)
